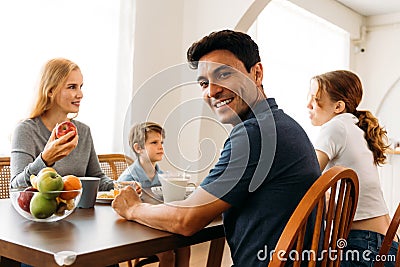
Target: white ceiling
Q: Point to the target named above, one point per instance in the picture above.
(372, 7)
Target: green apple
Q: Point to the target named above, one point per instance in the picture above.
(42, 207)
(46, 169)
(49, 181)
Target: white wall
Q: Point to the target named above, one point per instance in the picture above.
(336, 13)
(390, 182)
(379, 65)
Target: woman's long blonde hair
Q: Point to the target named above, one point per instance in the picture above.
(53, 77)
(343, 85)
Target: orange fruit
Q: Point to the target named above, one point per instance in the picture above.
(71, 182)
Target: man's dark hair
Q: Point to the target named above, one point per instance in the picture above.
(238, 43)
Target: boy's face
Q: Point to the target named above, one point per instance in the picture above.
(153, 147)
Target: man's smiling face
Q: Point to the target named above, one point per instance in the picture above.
(227, 86)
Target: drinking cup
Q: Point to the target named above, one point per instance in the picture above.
(118, 185)
(90, 187)
(173, 185)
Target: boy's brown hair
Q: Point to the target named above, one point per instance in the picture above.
(138, 133)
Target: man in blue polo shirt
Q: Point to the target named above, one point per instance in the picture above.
(266, 166)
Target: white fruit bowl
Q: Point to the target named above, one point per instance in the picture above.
(44, 207)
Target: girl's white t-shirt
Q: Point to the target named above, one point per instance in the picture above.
(344, 144)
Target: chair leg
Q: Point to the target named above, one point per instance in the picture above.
(216, 252)
(148, 260)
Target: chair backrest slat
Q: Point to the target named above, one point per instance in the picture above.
(318, 224)
(345, 208)
(338, 215)
(300, 244)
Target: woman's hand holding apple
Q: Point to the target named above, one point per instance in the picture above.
(64, 128)
(57, 149)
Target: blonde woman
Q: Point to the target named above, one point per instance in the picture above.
(34, 142)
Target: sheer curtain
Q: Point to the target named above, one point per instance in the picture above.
(96, 34)
(294, 46)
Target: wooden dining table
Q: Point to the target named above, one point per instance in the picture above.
(92, 237)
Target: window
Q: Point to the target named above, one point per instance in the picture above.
(294, 46)
(86, 32)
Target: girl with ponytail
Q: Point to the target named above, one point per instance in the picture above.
(354, 139)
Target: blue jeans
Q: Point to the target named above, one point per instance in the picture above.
(363, 247)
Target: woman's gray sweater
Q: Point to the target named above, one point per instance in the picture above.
(28, 141)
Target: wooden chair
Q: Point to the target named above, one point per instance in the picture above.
(5, 176)
(332, 222)
(387, 241)
(114, 164)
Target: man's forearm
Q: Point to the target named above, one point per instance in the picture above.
(171, 217)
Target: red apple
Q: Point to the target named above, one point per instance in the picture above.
(64, 128)
(24, 198)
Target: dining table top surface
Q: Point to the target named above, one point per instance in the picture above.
(93, 233)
